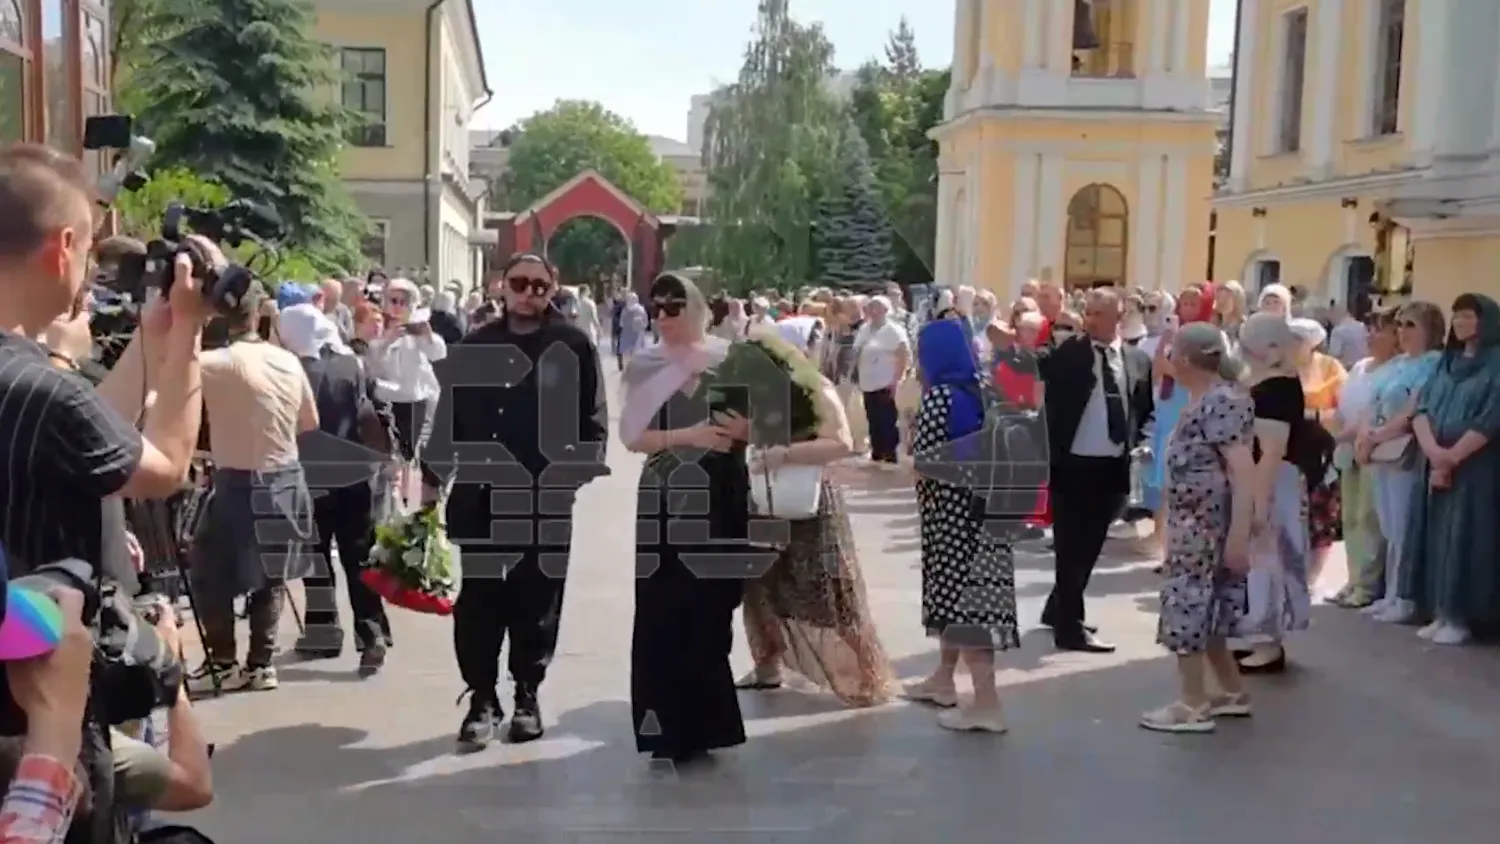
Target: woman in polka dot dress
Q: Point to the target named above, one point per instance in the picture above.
(968, 575)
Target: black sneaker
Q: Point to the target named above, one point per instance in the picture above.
(526, 723)
(372, 659)
(481, 724)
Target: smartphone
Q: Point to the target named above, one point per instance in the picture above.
(108, 131)
(412, 327)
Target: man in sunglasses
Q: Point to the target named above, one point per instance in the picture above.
(548, 412)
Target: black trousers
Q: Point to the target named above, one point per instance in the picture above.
(1088, 493)
(885, 429)
(345, 515)
(524, 600)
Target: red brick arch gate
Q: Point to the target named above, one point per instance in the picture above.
(589, 194)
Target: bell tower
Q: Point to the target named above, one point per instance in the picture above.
(1078, 141)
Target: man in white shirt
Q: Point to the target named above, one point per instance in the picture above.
(882, 353)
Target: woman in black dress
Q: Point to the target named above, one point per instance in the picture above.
(691, 553)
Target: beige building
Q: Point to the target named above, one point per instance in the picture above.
(414, 69)
(1366, 156)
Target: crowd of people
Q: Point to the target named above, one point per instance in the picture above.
(1253, 434)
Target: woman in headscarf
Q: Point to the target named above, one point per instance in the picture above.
(809, 613)
(968, 575)
(1276, 299)
(634, 325)
(445, 320)
(1322, 378)
(1230, 309)
(1209, 519)
(401, 362)
(347, 513)
(1286, 456)
(1451, 576)
(681, 687)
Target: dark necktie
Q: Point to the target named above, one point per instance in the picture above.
(1114, 402)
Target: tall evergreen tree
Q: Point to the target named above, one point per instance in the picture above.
(852, 232)
(238, 90)
(770, 143)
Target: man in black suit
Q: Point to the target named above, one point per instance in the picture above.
(1098, 400)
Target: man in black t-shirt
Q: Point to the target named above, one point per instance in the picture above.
(65, 447)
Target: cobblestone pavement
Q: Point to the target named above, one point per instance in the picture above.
(1376, 737)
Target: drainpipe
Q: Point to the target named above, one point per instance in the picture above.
(428, 172)
(1234, 81)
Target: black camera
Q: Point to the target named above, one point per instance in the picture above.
(233, 225)
(134, 670)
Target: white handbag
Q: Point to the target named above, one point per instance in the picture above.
(792, 492)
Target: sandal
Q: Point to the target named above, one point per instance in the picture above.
(759, 681)
(1179, 718)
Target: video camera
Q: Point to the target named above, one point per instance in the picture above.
(134, 671)
(231, 226)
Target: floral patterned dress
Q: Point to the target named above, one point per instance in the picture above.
(1201, 600)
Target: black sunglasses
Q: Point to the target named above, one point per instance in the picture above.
(1406, 323)
(527, 284)
(1151, 309)
(668, 307)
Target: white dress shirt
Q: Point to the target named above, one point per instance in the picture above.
(1092, 438)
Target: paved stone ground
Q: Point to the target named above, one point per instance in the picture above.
(1376, 737)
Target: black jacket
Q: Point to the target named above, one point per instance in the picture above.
(1067, 370)
(520, 413)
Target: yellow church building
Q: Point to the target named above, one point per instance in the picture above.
(1077, 145)
(1365, 158)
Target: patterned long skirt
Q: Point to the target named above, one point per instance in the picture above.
(810, 611)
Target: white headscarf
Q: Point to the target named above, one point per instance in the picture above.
(444, 302)
(306, 331)
(1309, 331)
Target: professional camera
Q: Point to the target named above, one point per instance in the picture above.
(134, 671)
(233, 225)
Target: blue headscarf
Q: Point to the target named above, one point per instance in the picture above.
(945, 357)
(290, 294)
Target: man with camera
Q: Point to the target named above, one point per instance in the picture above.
(71, 452)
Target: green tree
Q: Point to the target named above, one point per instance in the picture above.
(141, 211)
(770, 145)
(133, 26)
(551, 147)
(895, 104)
(239, 89)
(852, 234)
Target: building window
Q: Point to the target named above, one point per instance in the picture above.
(1098, 232)
(15, 62)
(59, 77)
(373, 244)
(95, 68)
(364, 94)
(1293, 74)
(1387, 93)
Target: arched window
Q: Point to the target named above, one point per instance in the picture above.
(1098, 234)
(15, 67)
(93, 52)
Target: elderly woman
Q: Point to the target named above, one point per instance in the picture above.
(1276, 299)
(1288, 453)
(1209, 513)
(1387, 445)
(1453, 534)
(968, 576)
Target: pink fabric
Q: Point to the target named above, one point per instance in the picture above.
(656, 372)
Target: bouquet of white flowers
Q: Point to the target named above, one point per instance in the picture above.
(414, 565)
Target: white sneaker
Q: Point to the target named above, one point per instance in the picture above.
(261, 678)
(1398, 612)
(211, 678)
(924, 692)
(1378, 606)
(1430, 630)
(972, 719)
(1449, 633)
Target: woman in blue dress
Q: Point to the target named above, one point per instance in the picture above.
(1452, 534)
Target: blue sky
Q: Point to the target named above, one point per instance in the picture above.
(644, 60)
